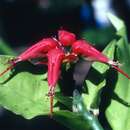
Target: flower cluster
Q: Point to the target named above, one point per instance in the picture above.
(54, 50)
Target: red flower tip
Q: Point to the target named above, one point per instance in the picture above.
(66, 38)
(84, 48)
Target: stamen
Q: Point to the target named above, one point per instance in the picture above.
(51, 106)
(51, 95)
(7, 69)
(13, 63)
(115, 63)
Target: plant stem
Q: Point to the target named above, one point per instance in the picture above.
(81, 109)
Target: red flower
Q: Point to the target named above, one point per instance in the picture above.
(66, 38)
(54, 51)
(38, 49)
(82, 47)
(55, 58)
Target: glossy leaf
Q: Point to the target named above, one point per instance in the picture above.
(5, 48)
(109, 52)
(23, 90)
(92, 97)
(65, 100)
(118, 24)
(81, 118)
(118, 113)
(77, 121)
(73, 121)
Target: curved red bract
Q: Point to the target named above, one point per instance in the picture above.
(66, 38)
(82, 47)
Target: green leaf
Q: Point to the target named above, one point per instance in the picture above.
(65, 100)
(77, 121)
(99, 37)
(109, 52)
(5, 48)
(118, 24)
(92, 97)
(23, 90)
(73, 121)
(82, 119)
(118, 113)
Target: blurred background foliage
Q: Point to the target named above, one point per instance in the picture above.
(23, 22)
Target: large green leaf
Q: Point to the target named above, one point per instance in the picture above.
(118, 114)
(109, 52)
(73, 121)
(5, 48)
(118, 24)
(81, 119)
(92, 97)
(99, 37)
(65, 100)
(24, 91)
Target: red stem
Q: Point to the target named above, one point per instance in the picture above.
(51, 106)
(7, 69)
(121, 71)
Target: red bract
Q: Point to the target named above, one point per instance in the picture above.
(66, 38)
(81, 47)
(55, 58)
(37, 50)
